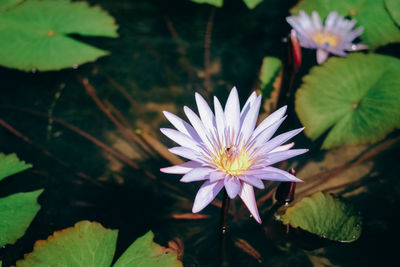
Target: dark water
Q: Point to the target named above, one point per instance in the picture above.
(147, 62)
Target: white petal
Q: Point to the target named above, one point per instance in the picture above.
(279, 140)
(182, 125)
(275, 174)
(187, 153)
(253, 180)
(272, 158)
(181, 138)
(266, 134)
(248, 104)
(247, 196)
(217, 175)
(197, 174)
(250, 120)
(206, 115)
(331, 20)
(322, 55)
(232, 112)
(316, 20)
(198, 126)
(232, 186)
(220, 119)
(181, 168)
(271, 119)
(283, 148)
(207, 192)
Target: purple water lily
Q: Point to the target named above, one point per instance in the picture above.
(335, 37)
(226, 149)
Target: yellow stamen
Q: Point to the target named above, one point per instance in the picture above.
(324, 37)
(232, 161)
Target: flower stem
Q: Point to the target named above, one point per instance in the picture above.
(223, 228)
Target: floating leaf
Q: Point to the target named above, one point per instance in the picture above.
(37, 34)
(252, 3)
(271, 78)
(86, 244)
(10, 164)
(4, 4)
(144, 252)
(325, 215)
(217, 3)
(357, 97)
(89, 244)
(393, 6)
(379, 28)
(16, 213)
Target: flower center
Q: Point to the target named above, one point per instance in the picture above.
(233, 161)
(324, 37)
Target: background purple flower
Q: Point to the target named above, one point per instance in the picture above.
(335, 37)
(225, 149)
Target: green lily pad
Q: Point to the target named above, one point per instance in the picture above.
(10, 164)
(379, 28)
(38, 34)
(4, 4)
(270, 69)
(144, 252)
(326, 216)
(357, 98)
(217, 3)
(393, 6)
(86, 244)
(16, 213)
(252, 3)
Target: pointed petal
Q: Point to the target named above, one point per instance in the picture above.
(207, 192)
(206, 115)
(247, 196)
(271, 119)
(197, 174)
(219, 119)
(216, 175)
(182, 125)
(275, 174)
(187, 153)
(181, 168)
(272, 158)
(263, 137)
(283, 148)
(250, 119)
(277, 141)
(248, 104)
(197, 125)
(232, 111)
(322, 55)
(232, 186)
(181, 138)
(253, 180)
(316, 20)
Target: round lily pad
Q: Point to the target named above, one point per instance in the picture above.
(355, 99)
(379, 27)
(86, 244)
(17, 212)
(36, 34)
(252, 3)
(10, 164)
(325, 215)
(393, 6)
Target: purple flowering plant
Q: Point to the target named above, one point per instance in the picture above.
(336, 36)
(225, 149)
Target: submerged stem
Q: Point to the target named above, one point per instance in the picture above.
(223, 227)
